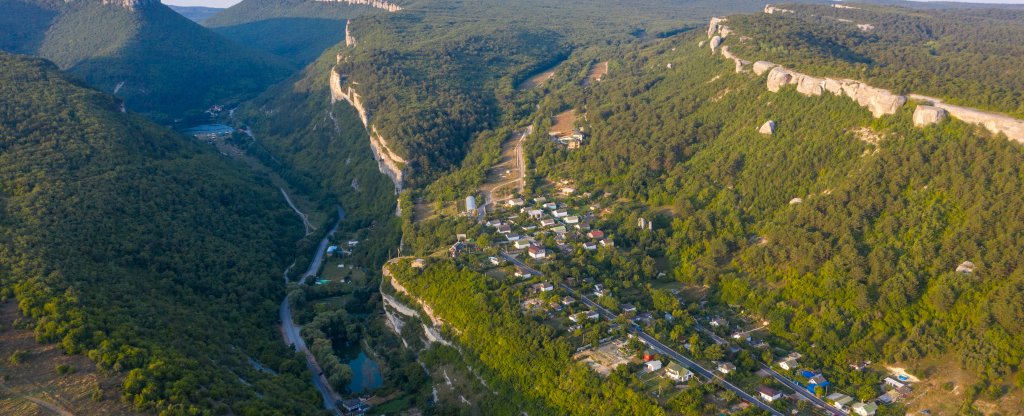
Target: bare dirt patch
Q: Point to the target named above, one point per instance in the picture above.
(942, 388)
(597, 72)
(564, 122)
(35, 386)
(604, 359)
(536, 80)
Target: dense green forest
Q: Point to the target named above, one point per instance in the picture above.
(323, 151)
(437, 74)
(151, 254)
(861, 266)
(972, 57)
(297, 30)
(486, 319)
(159, 62)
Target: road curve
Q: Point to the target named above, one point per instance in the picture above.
(291, 332)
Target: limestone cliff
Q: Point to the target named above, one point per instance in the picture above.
(377, 4)
(993, 122)
(389, 162)
(130, 4)
(878, 101)
(349, 39)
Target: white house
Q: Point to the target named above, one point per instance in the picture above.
(546, 287)
(495, 261)
(559, 213)
(537, 252)
(550, 206)
(521, 244)
(548, 223)
(653, 365)
(788, 364)
(590, 245)
(535, 213)
(726, 368)
(769, 394)
(677, 372)
(572, 219)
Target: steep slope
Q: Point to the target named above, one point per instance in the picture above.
(970, 57)
(155, 59)
(151, 254)
(297, 30)
(320, 146)
(438, 73)
(858, 236)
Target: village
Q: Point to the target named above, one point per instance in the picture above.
(531, 242)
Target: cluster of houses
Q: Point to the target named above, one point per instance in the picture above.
(547, 217)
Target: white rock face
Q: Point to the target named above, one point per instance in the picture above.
(377, 4)
(925, 115)
(760, 67)
(741, 65)
(388, 162)
(808, 85)
(795, 201)
(769, 9)
(713, 25)
(715, 42)
(349, 39)
(778, 78)
(767, 128)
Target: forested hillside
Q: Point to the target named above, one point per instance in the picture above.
(972, 57)
(158, 61)
(151, 254)
(843, 231)
(297, 30)
(322, 149)
(436, 74)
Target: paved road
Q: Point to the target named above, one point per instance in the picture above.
(655, 344)
(290, 331)
(802, 391)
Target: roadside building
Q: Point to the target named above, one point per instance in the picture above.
(677, 372)
(537, 252)
(769, 394)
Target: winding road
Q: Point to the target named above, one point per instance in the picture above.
(654, 343)
(291, 332)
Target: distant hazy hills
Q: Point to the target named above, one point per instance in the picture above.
(155, 59)
(195, 13)
(297, 30)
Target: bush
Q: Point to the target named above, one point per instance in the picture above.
(18, 357)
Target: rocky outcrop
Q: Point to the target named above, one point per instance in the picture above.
(388, 162)
(769, 9)
(768, 128)
(760, 67)
(926, 115)
(779, 77)
(993, 122)
(878, 101)
(130, 4)
(377, 4)
(808, 85)
(715, 42)
(714, 24)
(741, 65)
(349, 39)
